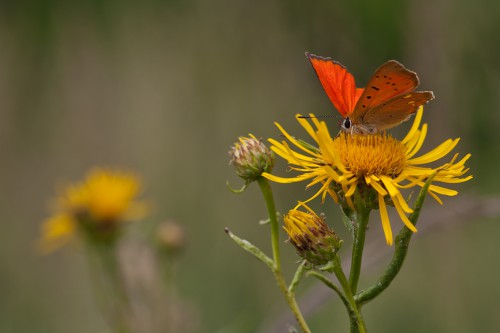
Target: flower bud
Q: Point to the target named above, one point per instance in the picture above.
(171, 237)
(251, 158)
(311, 237)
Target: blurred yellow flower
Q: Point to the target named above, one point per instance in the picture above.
(346, 163)
(98, 204)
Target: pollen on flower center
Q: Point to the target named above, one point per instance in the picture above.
(379, 154)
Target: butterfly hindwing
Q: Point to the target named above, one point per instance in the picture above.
(389, 80)
(337, 82)
(396, 110)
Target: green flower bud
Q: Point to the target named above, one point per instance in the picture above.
(251, 158)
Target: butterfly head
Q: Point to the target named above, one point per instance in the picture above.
(347, 125)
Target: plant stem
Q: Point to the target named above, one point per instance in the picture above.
(278, 274)
(400, 250)
(109, 286)
(271, 210)
(363, 216)
(357, 322)
(299, 274)
(292, 303)
(334, 287)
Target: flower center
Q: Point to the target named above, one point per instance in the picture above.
(378, 154)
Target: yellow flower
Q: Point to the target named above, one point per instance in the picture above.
(95, 206)
(311, 237)
(56, 232)
(346, 164)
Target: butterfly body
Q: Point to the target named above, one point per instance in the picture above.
(387, 100)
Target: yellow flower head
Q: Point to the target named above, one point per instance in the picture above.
(310, 236)
(347, 164)
(96, 205)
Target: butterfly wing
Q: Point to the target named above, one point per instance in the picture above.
(337, 82)
(389, 80)
(396, 110)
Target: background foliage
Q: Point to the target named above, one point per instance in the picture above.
(165, 87)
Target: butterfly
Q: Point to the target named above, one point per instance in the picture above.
(388, 99)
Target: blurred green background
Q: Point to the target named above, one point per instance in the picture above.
(165, 87)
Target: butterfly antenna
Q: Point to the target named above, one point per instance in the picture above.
(320, 117)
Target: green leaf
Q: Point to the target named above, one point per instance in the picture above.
(246, 245)
(308, 146)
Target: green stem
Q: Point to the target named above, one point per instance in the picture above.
(299, 274)
(332, 286)
(168, 271)
(400, 250)
(357, 322)
(278, 274)
(109, 286)
(363, 216)
(292, 303)
(271, 210)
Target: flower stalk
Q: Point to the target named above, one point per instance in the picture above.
(278, 274)
(109, 285)
(400, 250)
(357, 322)
(95, 210)
(251, 158)
(358, 246)
(265, 188)
(274, 263)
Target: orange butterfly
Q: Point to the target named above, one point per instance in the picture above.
(388, 99)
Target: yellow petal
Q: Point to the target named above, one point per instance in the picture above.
(435, 154)
(305, 124)
(434, 195)
(377, 186)
(419, 142)
(56, 232)
(384, 217)
(284, 180)
(403, 216)
(416, 124)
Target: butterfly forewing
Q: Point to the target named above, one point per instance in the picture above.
(337, 82)
(390, 80)
(396, 110)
